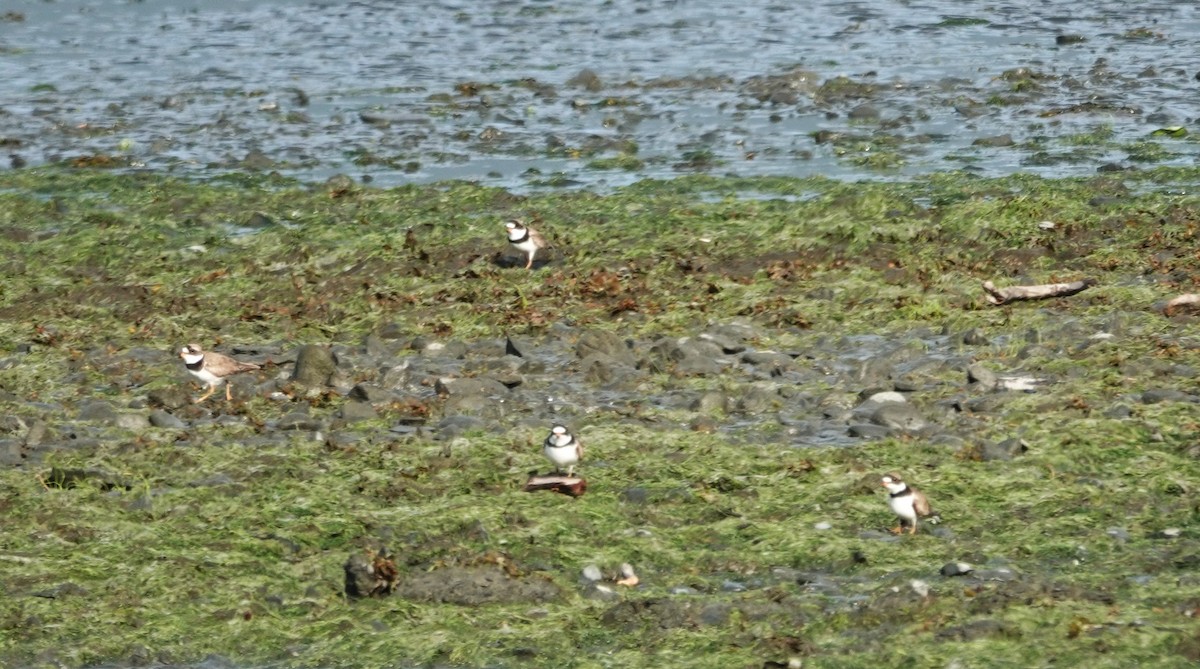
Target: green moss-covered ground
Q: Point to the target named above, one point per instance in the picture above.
(251, 568)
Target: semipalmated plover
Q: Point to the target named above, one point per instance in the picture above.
(525, 238)
(212, 368)
(563, 449)
(906, 502)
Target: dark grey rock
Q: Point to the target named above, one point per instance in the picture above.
(973, 337)
(11, 452)
(455, 426)
(997, 141)
(1156, 395)
(355, 411)
(173, 397)
(602, 370)
(1005, 450)
(711, 403)
(900, 416)
(482, 386)
(768, 359)
(759, 398)
(981, 376)
(986, 404)
(517, 346)
(314, 366)
(607, 344)
(695, 365)
(865, 431)
(365, 392)
(98, 411)
(453, 349)
(299, 421)
(863, 112)
(165, 420)
(635, 495)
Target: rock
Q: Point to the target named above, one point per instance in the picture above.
(985, 404)
(518, 347)
(635, 495)
(759, 398)
(172, 397)
(887, 396)
(863, 112)
(973, 337)
(863, 431)
(898, 416)
(981, 376)
(607, 344)
(356, 411)
(165, 420)
(454, 426)
(300, 421)
(587, 80)
(131, 421)
(364, 392)
(956, 569)
(1156, 395)
(453, 386)
(436, 349)
(768, 359)
(606, 371)
(920, 587)
(711, 403)
(314, 366)
(98, 411)
(995, 142)
(1005, 450)
(592, 573)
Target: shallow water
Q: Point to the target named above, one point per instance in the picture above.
(419, 92)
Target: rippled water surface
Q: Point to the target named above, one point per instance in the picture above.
(490, 91)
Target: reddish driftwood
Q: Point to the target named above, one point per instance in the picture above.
(1188, 301)
(572, 486)
(1002, 295)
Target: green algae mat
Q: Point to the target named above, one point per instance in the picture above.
(225, 536)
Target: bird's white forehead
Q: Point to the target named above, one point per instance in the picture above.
(559, 429)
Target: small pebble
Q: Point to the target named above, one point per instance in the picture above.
(920, 587)
(823, 525)
(592, 573)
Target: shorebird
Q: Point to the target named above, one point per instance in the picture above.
(563, 449)
(906, 502)
(525, 239)
(212, 368)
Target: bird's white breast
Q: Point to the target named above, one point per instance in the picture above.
(903, 506)
(562, 455)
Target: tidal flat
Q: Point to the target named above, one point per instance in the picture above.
(742, 357)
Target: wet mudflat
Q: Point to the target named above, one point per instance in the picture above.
(574, 94)
(742, 370)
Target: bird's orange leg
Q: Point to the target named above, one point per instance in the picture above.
(206, 395)
(228, 392)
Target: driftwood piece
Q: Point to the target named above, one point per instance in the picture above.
(1003, 295)
(572, 486)
(1187, 301)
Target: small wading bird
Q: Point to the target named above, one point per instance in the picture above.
(563, 449)
(525, 239)
(212, 368)
(907, 503)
